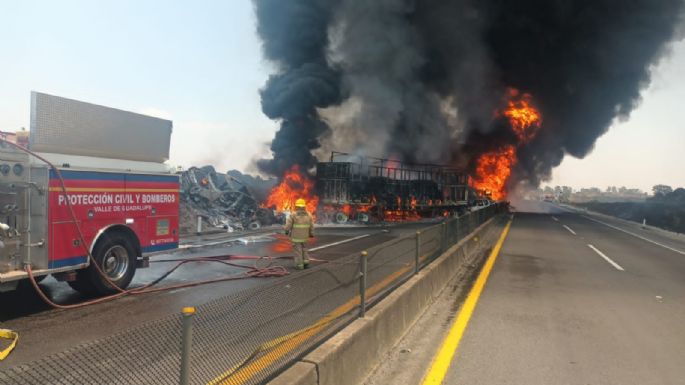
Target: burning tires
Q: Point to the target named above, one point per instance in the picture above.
(340, 217)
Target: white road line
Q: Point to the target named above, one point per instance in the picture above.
(569, 229)
(635, 235)
(339, 242)
(555, 219)
(612, 263)
(221, 242)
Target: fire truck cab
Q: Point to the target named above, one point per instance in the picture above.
(108, 194)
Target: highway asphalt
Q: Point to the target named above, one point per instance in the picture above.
(573, 298)
(44, 331)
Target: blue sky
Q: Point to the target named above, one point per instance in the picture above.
(199, 64)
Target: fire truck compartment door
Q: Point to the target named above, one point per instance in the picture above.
(66, 247)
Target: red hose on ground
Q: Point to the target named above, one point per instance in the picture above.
(268, 271)
(253, 272)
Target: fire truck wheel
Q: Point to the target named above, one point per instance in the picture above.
(116, 257)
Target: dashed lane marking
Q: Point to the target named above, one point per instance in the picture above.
(570, 230)
(611, 262)
(635, 235)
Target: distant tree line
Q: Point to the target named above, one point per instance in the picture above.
(666, 194)
(664, 209)
(611, 194)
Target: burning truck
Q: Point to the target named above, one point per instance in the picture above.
(367, 190)
(371, 190)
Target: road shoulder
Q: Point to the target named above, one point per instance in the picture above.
(408, 360)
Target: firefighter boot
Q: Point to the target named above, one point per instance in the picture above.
(305, 256)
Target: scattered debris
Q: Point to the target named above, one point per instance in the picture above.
(225, 201)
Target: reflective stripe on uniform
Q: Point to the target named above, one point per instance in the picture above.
(301, 226)
(298, 240)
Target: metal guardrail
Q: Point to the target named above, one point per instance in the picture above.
(250, 336)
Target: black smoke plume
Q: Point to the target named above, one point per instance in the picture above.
(295, 36)
(424, 78)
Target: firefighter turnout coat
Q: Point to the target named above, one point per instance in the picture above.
(299, 226)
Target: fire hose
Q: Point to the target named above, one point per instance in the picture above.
(13, 337)
(252, 271)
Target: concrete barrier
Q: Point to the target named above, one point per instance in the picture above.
(350, 355)
(302, 373)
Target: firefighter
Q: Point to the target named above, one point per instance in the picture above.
(299, 227)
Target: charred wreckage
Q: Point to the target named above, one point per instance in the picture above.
(346, 188)
(226, 201)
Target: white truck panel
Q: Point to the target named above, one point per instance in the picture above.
(104, 164)
(65, 126)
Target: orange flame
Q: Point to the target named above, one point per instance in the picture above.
(493, 168)
(400, 215)
(295, 185)
(525, 120)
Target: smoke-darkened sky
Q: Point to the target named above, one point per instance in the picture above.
(423, 80)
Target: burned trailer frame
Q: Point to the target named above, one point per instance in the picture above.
(370, 189)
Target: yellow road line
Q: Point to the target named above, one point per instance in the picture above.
(443, 359)
(286, 344)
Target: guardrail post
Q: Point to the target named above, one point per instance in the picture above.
(186, 343)
(457, 228)
(417, 254)
(443, 244)
(199, 225)
(363, 266)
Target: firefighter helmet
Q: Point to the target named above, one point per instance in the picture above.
(300, 203)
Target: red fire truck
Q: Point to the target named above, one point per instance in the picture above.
(92, 182)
